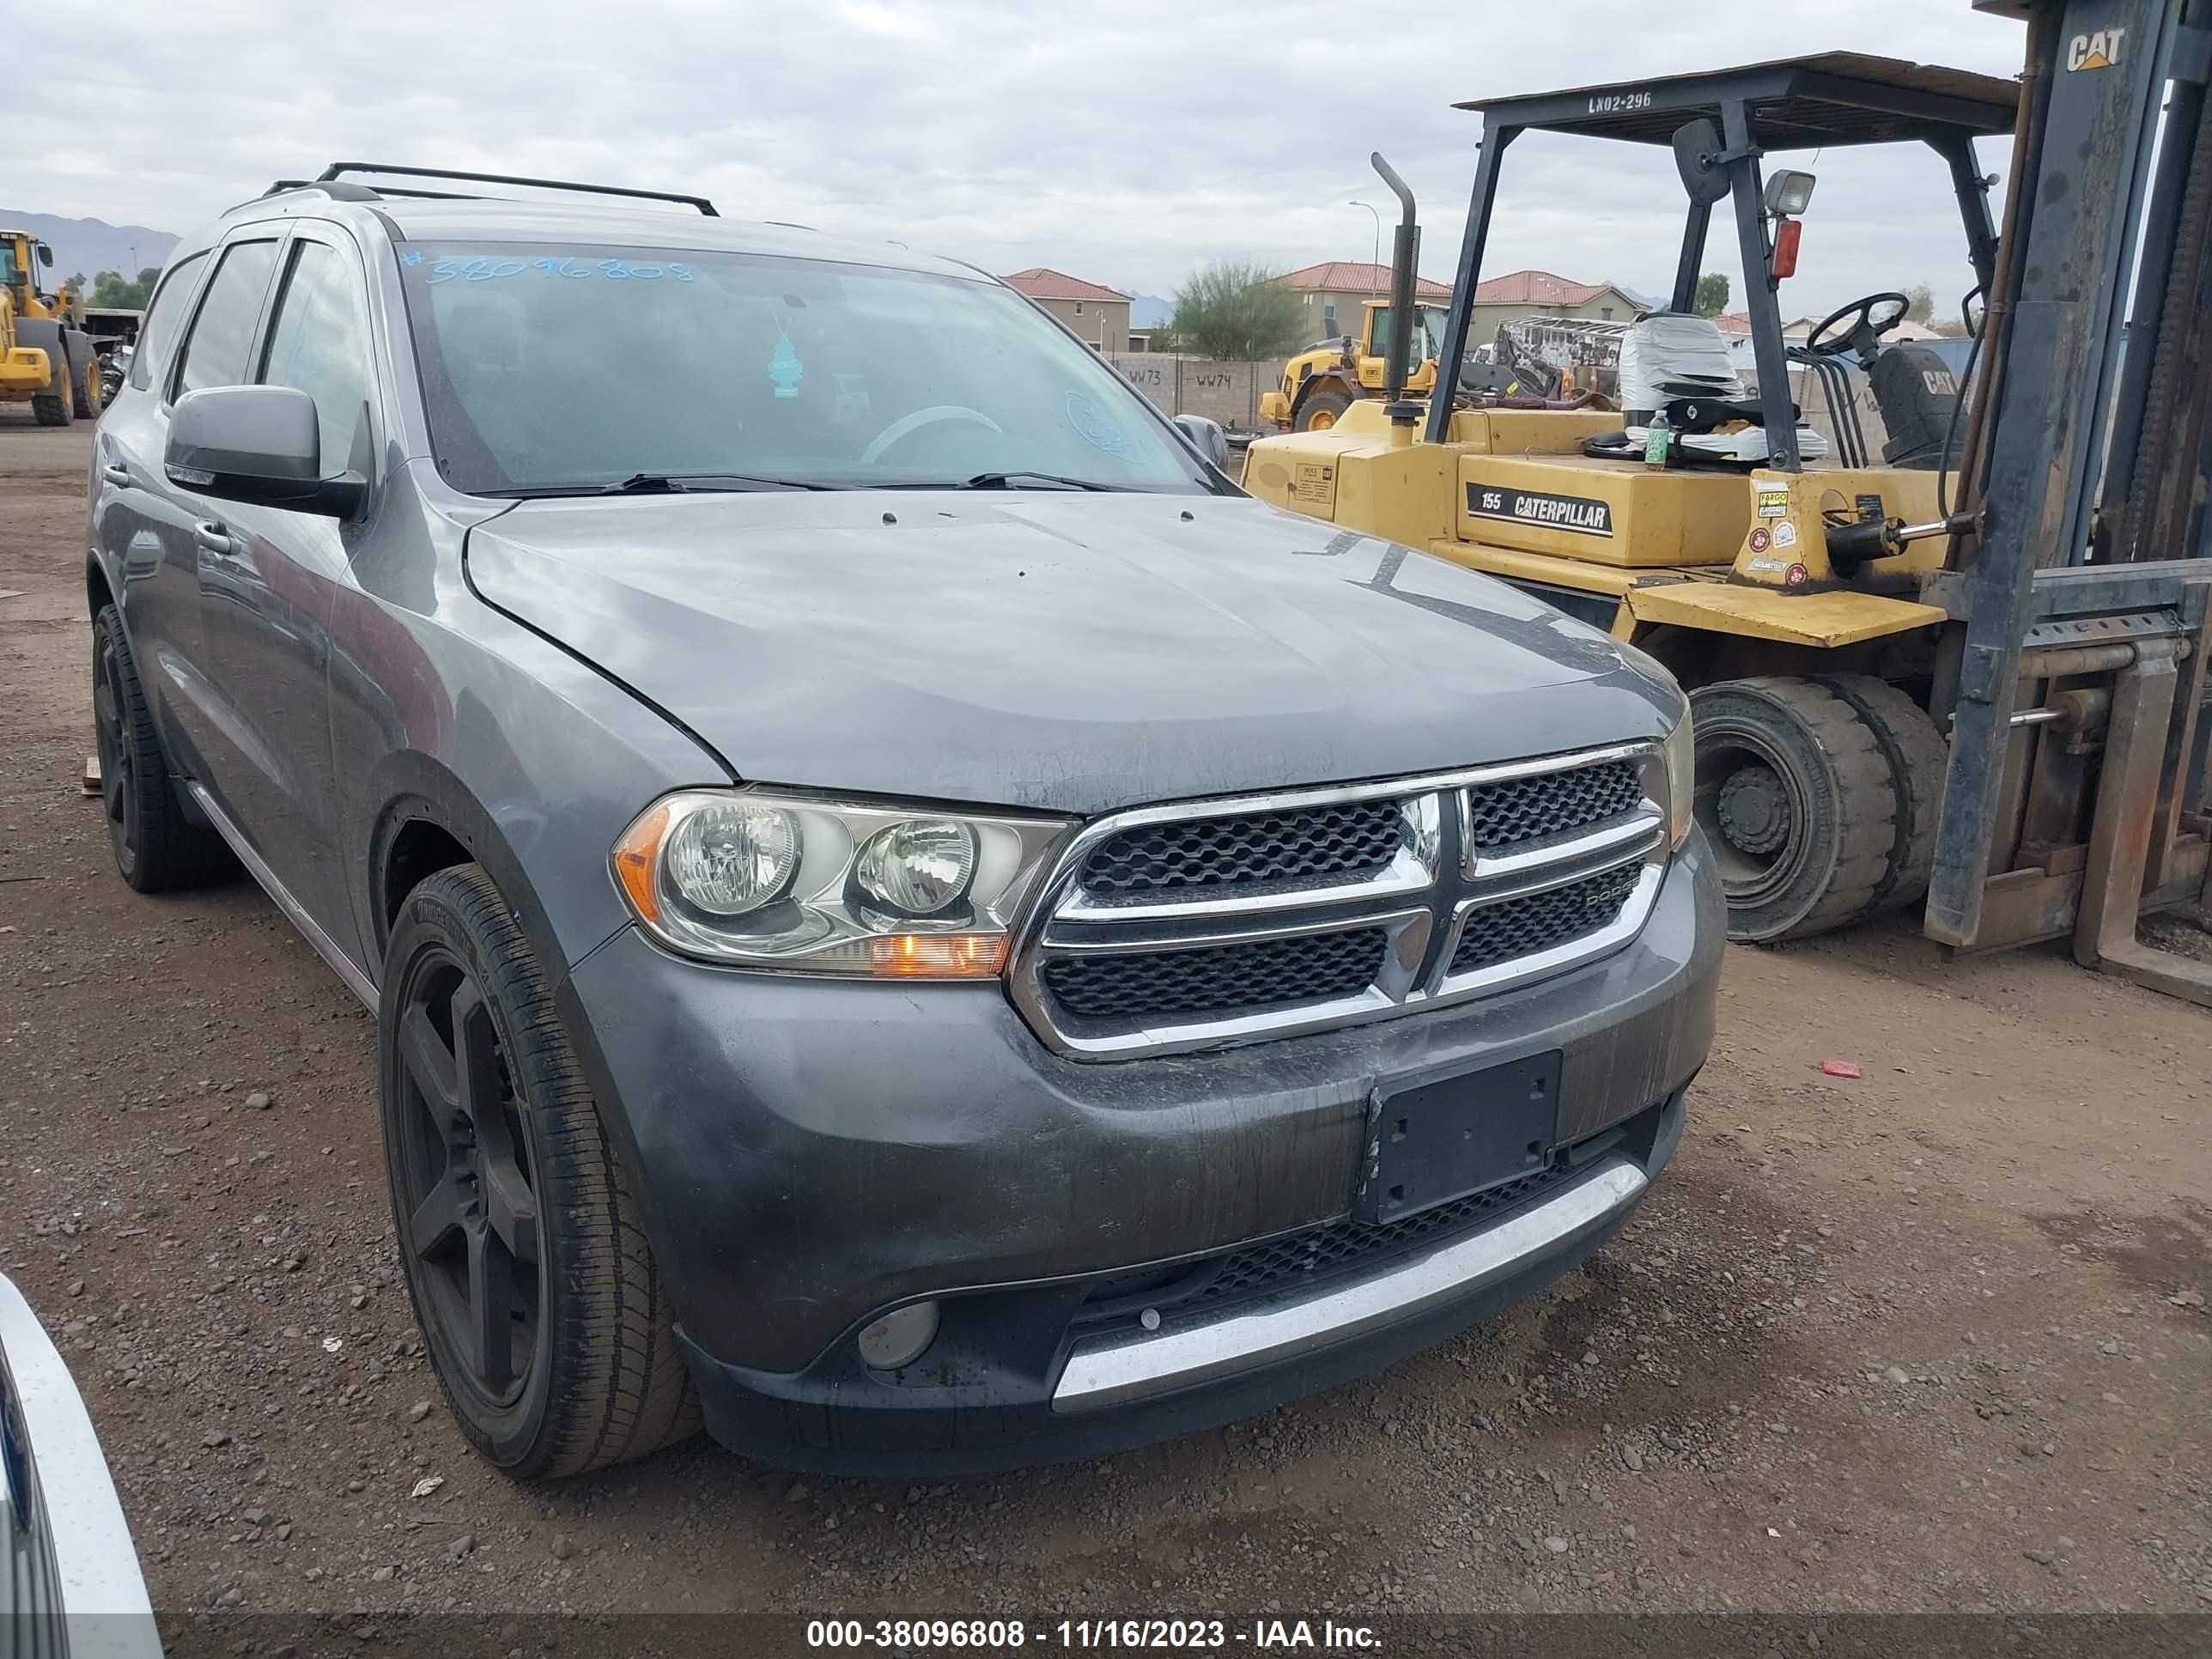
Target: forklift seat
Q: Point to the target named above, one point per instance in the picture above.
(1666, 357)
(1676, 371)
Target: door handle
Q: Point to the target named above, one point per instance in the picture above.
(212, 537)
(116, 474)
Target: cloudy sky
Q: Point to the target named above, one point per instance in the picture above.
(1125, 142)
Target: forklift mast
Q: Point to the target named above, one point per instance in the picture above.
(2079, 596)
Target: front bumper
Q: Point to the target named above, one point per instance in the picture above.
(811, 1153)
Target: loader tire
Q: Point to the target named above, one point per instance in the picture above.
(1321, 411)
(57, 405)
(84, 385)
(1918, 761)
(1798, 800)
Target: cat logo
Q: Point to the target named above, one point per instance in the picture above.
(1940, 382)
(2100, 50)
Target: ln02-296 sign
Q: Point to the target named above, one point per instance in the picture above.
(1578, 513)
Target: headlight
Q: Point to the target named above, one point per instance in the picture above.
(831, 887)
(1681, 752)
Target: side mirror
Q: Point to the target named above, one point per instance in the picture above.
(257, 444)
(45, 254)
(1205, 436)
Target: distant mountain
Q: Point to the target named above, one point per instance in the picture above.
(1149, 310)
(92, 245)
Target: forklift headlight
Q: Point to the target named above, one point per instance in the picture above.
(1681, 754)
(1789, 194)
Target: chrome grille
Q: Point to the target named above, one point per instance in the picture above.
(1173, 928)
(1541, 921)
(1152, 984)
(1550, 804)
(1345, 840)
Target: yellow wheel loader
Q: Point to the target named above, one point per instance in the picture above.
(1776, 570)
(45, 356)
(1319, 384)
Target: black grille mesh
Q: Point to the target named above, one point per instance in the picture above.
(1347, 1248)
(1152, 984)
(1551, 803)
(1519, 927)
(1352, 841)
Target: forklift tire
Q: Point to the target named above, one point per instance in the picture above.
(1919, 760)
(1796, 795)
(1320, 411)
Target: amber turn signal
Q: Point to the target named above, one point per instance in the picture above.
(937, 956)
(637, 854)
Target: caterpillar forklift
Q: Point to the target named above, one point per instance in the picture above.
(1903, 652)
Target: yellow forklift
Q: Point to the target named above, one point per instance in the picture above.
(1777, 571)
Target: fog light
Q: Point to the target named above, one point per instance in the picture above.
(900, 1338)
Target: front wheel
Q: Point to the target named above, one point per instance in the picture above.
(57, 405)
(1799, 802)
(548, 1325)
(1322, 410)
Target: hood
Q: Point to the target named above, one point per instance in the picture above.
(1069, 652)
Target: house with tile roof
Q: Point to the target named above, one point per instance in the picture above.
(1333, 291)
(1098, 314)
(1546, 294)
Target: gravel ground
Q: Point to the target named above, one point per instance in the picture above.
(1936, 1338)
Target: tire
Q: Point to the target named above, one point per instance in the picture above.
(1320, 411)
(58, 405)
(1918, 760)
(84, 384)
(157, 849)
(515, 1219)
(1796, 798)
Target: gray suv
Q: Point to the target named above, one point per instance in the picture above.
(906, 915)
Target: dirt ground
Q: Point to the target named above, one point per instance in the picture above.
(1932, 1338)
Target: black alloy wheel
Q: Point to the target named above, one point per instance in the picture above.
(548, 1323)
(464, 1172)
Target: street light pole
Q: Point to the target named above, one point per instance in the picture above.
(1378, 266)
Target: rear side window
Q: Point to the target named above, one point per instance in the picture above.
(319, 344)
(163, 319)
(223, 333)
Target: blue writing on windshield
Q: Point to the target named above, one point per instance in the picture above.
(491, 268)
(1094, 425)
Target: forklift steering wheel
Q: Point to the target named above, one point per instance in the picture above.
(1864, 332)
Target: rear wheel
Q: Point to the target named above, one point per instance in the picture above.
(1796, 798)
(549, 1326)
(1322, 410)
(156, 846)
(84, 378)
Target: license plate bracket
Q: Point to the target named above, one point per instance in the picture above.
(1459, 1135)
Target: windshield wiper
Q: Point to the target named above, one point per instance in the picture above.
(1009, 481)
(656, 483)
(1006, 481)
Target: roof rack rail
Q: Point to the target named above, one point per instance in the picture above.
(336, 192)
(337, 168)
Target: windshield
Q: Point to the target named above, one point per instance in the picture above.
(1427, 337)
(552, 368)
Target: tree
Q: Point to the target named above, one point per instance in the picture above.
(1920, 303)
(113, 288)
(1234, 311)
(1713, 296)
